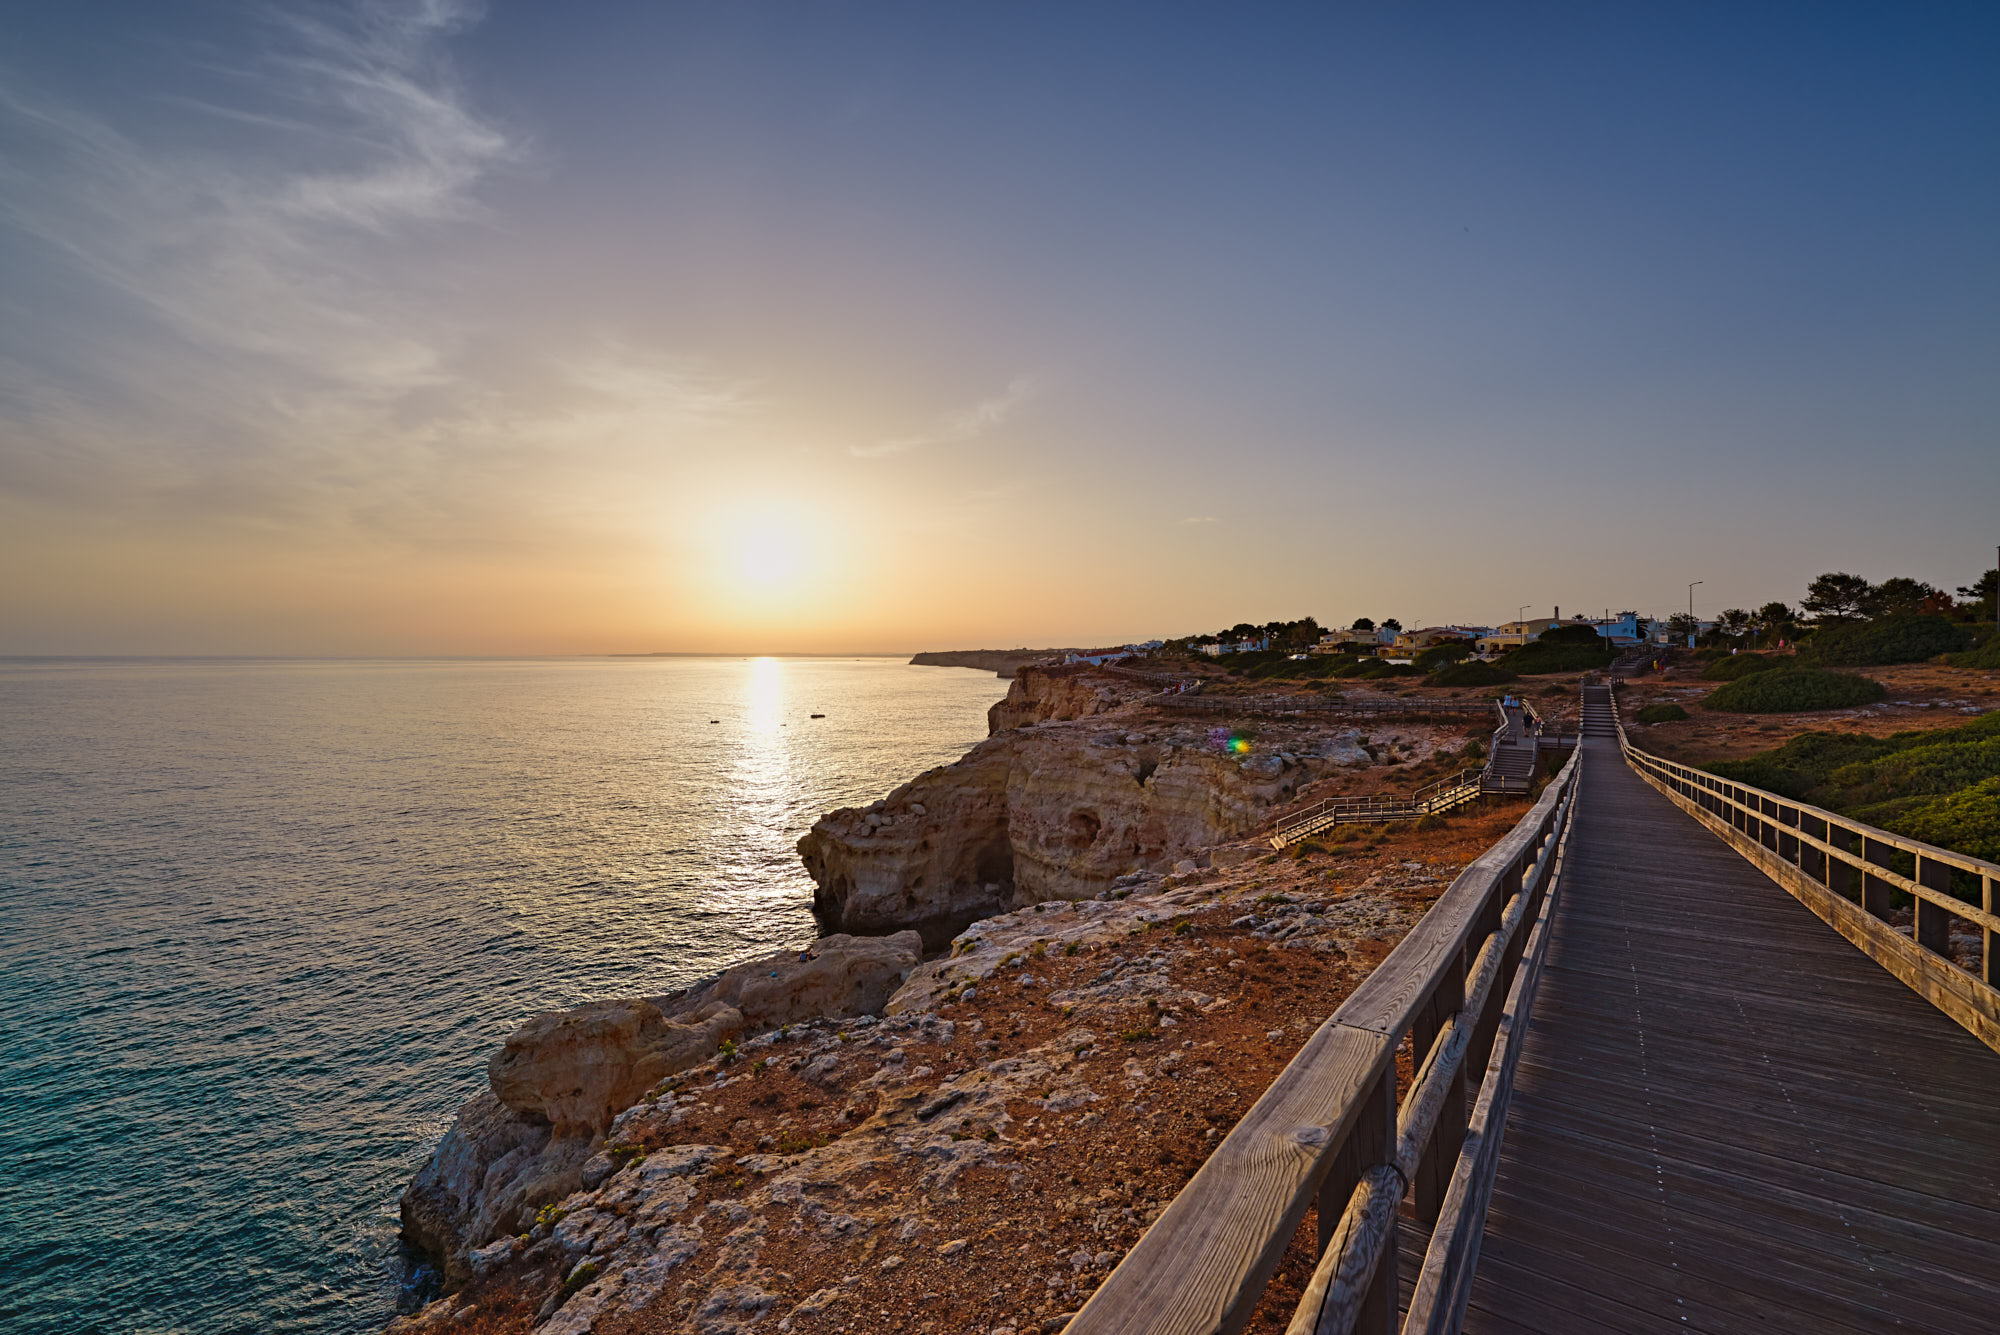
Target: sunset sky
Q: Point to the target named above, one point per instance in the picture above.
(534, 328)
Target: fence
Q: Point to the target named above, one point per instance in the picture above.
(1331, 1127)
(1848, 873)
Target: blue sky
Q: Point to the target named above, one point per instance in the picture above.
(331, 328)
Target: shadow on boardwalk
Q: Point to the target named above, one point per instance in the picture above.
(1727, 1118)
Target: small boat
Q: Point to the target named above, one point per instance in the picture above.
(819, 716)
(715, 720)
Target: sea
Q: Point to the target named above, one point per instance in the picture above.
(262, 922)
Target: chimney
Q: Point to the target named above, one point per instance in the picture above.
(1559, 614)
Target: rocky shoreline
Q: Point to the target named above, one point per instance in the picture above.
(962, 1138)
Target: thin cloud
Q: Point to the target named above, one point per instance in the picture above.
(966, 424)
(259, 332)
(1199, 519)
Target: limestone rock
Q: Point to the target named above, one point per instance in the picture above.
(1038, 695)
(577, 1069)
(486, 1179)
(1055, 812)
(836, 977)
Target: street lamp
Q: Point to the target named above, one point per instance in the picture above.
(1693, 625)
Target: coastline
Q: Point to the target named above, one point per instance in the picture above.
(1126, 986)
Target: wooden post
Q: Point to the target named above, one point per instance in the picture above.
(1839, 871)
(1378, 1310)
(1934, 920)
(1441, 1154)
(1989, 962)
(1875, 891)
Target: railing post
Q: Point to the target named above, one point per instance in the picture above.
(1875, 891)
(1788, 843)
(1441, 1154)
(1839, 871)
(1989, 959)
(1934, 920)
(1378, 1309)
(1372, 1142)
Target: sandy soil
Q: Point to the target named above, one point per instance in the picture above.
(1141, 1045)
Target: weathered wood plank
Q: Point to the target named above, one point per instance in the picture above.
(1203, 1264)
(1715, 1078)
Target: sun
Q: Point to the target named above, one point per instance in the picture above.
(769, 552)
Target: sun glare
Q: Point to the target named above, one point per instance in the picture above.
(768, 553)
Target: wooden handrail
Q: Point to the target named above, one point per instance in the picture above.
(1838, 868)
(1330, 1127)
(1322, 704)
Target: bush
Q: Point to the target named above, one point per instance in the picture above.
(1905, 639)
(1441, 655)
(1547, 655)
(1470, 674)
(1662, 714)
(1741, 665)
(1940, 785)
(1966, 822)
(1987, 655)
(1792, 690)
(1805, 762)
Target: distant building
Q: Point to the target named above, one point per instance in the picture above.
(1147, 647)
(1333, 641)
(1409, 642)
(1099, 660)
(1237, 647)
(1514, 634)
(1622, 630)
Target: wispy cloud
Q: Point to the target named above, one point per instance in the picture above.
(966, 424)
(253, 322)
(1199, 519)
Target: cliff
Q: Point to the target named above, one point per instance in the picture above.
(1000, 662)
(1057, 811)
(982, 1150)
(1043, 695)
(811, 1137)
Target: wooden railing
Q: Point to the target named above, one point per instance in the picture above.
(1328, 704)
(1847, 873)
(1445, 794)
(1332, 1128)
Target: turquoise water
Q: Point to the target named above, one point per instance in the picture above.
(261, 923)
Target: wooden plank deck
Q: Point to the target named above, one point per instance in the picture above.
(1727, 1118)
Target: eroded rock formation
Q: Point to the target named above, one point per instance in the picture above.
(564, 1076)
(1044, 695)
(1058, 811)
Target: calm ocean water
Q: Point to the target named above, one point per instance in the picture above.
(262, 922)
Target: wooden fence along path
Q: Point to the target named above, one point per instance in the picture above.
(1703, 1108)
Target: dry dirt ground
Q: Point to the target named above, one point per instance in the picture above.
(1920, 695)
(1012, 1139)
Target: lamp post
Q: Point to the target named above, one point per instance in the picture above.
(1693, 625)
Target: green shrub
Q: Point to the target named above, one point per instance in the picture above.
(1986, 655)
(1662, 714)
(1565, 655)
(1470, 674)
(1803, 763)
(1966, 822)
(1742, 665)
(1792, 690)
(1441, 655)
(1906, 639)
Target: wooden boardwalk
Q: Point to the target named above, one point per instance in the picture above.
(1726, 1117)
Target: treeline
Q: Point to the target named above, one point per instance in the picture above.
(1846, 620)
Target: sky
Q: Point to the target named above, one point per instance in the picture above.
(438, 328)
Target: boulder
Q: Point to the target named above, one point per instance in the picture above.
(837, 977)
(578, 1069)
(486, 1179)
